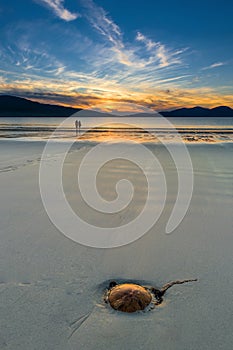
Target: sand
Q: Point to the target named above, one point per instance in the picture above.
(51, 287)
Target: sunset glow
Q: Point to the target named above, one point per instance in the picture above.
(84, 53)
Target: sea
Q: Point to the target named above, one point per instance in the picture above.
(140, 129)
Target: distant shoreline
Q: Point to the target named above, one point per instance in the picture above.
(116, 116)
(17, 107)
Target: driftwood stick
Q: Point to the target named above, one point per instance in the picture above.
(170, 284)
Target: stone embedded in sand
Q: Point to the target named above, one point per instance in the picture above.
(129, 297)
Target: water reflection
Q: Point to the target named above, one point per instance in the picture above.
(146, 131)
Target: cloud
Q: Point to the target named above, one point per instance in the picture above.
(163, 57)
(87, 95)
(108, 68)
(125, 61)
(114, 49)
(20, 57)
(99, 19)
(149, 43)
(166, 56)
(58, 8)
(110, 58)
(215, 65)
(2, 80)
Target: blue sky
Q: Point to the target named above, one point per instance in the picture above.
(85, 53)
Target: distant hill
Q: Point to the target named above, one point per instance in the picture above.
(84, 113)
(11, 106)
(221, 111)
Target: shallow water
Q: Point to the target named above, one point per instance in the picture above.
(144, 129)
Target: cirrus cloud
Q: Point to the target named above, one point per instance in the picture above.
(214, 65)
(57, 6)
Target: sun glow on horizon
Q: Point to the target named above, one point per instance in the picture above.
(84, 63)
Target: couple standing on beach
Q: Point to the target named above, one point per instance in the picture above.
(78, 126)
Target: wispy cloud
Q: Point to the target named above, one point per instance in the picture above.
(149, 43)
(108, 61)
(2, 80)
(57, 6)
(159, 52)
(214, 65)
(114, 48)
(68, 92)
(109, 68)
(26, 59)
(131, 55)
(99, 19)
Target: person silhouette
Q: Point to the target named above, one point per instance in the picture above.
(76, 126)
(79, 125)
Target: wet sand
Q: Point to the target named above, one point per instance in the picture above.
(51, 288)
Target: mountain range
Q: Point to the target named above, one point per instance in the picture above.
(221, 111)
(12, 106)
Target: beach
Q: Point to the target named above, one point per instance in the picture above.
(116, 175)
(52, 288)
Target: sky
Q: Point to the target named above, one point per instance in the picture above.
(87, 53)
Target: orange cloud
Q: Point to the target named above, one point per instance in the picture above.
(72, 93)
